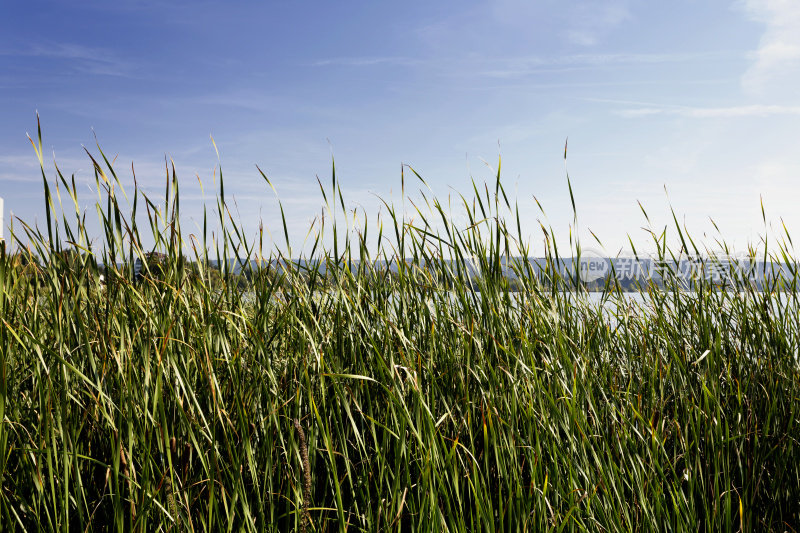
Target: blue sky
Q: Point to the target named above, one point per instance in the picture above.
(696, 97)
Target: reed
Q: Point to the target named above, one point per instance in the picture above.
(431, 396)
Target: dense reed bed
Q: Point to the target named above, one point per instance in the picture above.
(396, 390)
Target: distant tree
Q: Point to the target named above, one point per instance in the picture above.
(25, 264)
(154, 267)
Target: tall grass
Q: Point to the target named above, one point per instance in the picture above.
(406, 389)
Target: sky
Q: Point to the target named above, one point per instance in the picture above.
(690, 106)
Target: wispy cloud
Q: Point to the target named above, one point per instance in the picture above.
(756, 110)
(586, 23)
(522, 66)
(367, 61)
(595, 21)
(519, 66)
(529, 86)
(72, 51)
(85, 59)
(582, 37)
(778, 53)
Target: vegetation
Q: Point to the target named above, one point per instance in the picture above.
(369, 399)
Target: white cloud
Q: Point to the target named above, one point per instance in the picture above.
(777, 58)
